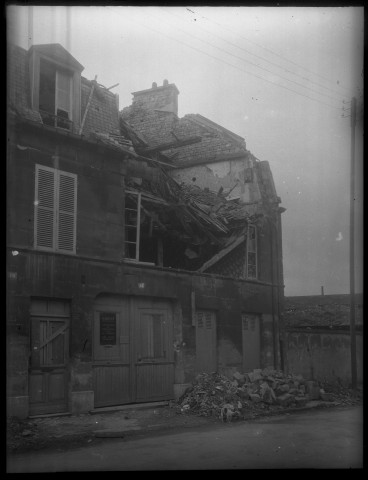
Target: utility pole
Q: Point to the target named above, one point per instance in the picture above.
(352, 236)
(30, 27)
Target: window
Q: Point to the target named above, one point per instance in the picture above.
(205, 319)
(55, 96)
(55, 86)
(132, 225)
(55, 210)
(252, 252)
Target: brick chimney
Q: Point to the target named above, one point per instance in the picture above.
(163, 98)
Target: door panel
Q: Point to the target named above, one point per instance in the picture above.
(154, 382)
(251, 342)
(48, 377)
(37, 391)
(56, 383)
(111, 368)
(111, 384)
(154, 354)
(206, 341)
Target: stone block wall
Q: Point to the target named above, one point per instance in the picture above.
(323, 356)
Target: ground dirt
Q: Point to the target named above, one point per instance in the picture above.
(71, 431)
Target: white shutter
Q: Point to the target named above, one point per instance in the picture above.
(45, 192)
(67, 212)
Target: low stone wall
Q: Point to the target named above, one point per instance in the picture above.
(323, 355)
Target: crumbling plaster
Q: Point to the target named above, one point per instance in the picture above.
(231, 175)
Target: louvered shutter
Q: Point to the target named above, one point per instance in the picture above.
(67, 209)
(45, 193)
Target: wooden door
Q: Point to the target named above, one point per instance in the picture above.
(133, 356)
(111, 355)
(48, 378)
(251, 342)
(206, 341)
(153, 362)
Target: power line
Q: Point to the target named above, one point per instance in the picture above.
(257, 66)
(233, 66)
(265, 60)
(271, 51)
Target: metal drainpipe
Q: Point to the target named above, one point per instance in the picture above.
(275, 362)
(278, 286)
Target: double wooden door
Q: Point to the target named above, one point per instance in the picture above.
(132, 351)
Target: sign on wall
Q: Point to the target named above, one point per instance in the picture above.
(107, 328)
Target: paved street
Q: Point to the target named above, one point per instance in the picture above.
(328, 438)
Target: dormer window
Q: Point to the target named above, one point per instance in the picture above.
(55, 78)
(55, 97)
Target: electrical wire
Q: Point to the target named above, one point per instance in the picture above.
(271, 51)
(229, 64)
(265, 60)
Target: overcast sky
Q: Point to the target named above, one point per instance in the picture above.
(277, 76)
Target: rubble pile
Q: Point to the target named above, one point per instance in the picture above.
(213, 394)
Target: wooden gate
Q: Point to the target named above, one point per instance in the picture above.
(133, 351)
(206, 341)
(251, 342)
(49, 355)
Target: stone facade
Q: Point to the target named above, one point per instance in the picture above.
(103, 165)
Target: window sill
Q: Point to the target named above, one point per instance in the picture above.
(137, 262)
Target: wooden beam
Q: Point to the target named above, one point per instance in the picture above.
(176, 144)
(221, 254)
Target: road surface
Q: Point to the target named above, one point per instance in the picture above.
(328, 438)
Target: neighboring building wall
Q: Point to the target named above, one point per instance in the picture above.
(317, 336)
(323, 356)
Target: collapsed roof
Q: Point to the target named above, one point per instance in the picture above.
(203, 221)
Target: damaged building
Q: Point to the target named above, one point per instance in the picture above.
(142, 248)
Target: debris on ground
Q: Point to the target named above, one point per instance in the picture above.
(246, 395)
(212, 398)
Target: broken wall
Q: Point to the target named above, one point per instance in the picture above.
(236, 177)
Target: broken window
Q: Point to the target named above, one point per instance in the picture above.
(55, 96)
(252, 252)
(188, 229)
(132, 225)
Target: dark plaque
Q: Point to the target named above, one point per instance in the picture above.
(107, 328)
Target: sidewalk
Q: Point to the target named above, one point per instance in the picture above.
(66, 431)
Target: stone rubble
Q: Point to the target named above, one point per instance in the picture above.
(248, 394)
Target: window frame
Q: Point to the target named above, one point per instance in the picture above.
(68, 65)
(137, 226)
(58, 73)
(251, 251)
